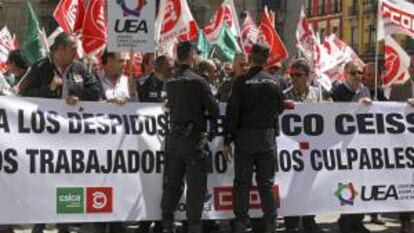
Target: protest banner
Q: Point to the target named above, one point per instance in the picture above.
(101, 162)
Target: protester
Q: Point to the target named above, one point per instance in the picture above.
(352, 90)
(153, 90)
(114, 83)
(208, 70)
(240, 67)
(18, 66)
(301, 91)
(61, 77)
(251, 116)
(368, 80)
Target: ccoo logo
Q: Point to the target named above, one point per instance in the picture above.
(171, 16)
(392, 64)
(99, 200)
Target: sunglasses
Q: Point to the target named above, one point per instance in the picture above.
(356, 72)
(298, 74)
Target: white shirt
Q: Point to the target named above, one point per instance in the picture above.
(64, 76)
(119, 90)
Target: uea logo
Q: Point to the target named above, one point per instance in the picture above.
(131, 25)
(379, 193)
(134, 11)
(346, 193)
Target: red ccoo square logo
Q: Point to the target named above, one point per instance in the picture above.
(223, 198)
(99, 200)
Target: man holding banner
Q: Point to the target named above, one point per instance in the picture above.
(352, 90)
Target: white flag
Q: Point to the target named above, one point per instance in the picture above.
(395, 17)
(225, 13)
(174, 20)
(396, 63)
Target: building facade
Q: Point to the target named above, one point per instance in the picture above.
(325, 16)
(13, 14)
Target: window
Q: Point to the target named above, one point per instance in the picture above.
(372, 30)
(308, 7)
(336, 6)
(354, 37)
(335, 31)
(321, 7)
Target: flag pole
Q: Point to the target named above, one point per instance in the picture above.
(376, 54)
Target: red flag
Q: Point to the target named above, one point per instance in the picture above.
(278, 50)
(80, 17)
(65, 14)
(94, 35)
(249, 34)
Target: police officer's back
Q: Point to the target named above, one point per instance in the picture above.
(191, 103)
(251, 122)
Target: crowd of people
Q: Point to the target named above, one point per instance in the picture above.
(190, 89)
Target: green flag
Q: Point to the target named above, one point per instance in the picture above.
(33, 47)
(204, 45)
(227, 44)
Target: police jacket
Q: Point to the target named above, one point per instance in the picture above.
(190, 99)
(255, 103)
(80, 82)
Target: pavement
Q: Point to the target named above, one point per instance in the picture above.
(327, 222)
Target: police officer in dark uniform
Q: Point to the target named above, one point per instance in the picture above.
(191, 104)
(251, 123)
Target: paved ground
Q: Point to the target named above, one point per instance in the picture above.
(328, 223)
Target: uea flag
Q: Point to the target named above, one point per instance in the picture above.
(396, 63)
(173, 21)
(225, 13)
(131, 26)
(395, 17)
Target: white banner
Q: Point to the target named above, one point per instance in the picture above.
(101, 162)
(131, 26)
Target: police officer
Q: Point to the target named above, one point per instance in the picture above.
(251, 123)
(191, 104)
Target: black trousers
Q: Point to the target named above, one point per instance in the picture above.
(264, 165)
(292, 222)
(184, 160)
(348, 222)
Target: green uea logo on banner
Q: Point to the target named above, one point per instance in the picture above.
(70, 200)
